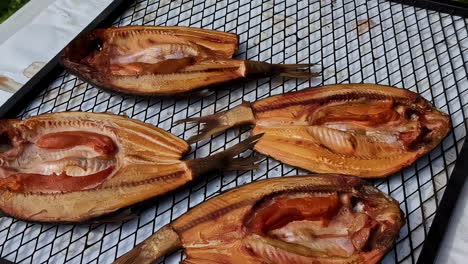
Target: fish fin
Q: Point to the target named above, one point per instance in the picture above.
(117, 217)
(250, 163)
(217, 123)
(212, 125)
(201, 92)
(263, 69)
(225, 160)
(164, 241)
(2, 214)
(299, 74)
(112, 113)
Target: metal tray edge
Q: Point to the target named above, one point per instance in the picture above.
(445, 209)
(452, 8)
(448, 202)
(44, 77)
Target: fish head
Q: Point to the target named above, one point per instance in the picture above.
(306, 219)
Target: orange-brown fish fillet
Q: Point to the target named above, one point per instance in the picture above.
(151, 60)
(73, 166)
(364, 130)
(321, 219)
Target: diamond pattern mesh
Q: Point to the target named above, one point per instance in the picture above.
(354, 41)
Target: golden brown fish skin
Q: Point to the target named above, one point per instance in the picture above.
(223, 229)
(147, 60)
(133, 161)
(364, 130)
(313, 153)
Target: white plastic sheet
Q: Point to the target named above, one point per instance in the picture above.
(38, 40)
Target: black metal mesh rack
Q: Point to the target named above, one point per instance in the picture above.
(355, 41)
(453, 7)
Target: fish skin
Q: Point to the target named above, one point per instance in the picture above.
(154, 60)
(364, 130)
(130, 161)
(221, 230)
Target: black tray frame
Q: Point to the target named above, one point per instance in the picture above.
(443, 6)
(455, 183)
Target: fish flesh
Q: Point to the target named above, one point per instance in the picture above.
(364, 130)
(73, 166)
(323, 219)
(158, 60)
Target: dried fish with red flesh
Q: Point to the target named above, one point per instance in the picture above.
(323, 219)
(157, 60)
(73, 166)
(357, 129)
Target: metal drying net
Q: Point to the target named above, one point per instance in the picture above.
(354, 41)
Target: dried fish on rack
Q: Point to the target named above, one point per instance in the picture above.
(306, 219)
(73, 166)
(364, 130)
(156, 60)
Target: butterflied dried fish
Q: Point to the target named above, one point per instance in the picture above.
(358, 129)
(150, 60)
(73, 166)
(307, 219)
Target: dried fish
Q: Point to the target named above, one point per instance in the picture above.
(150, 60)
(73, 166)
(327, 219)
(357, 129)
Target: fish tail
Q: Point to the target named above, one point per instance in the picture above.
(164, 241)
(250, 163)
(116, 217)
(263, 69)
(226, 160)
(217, 123)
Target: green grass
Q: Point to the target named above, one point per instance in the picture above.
(8, 7)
